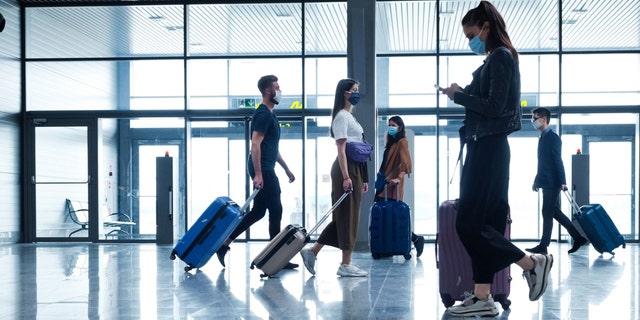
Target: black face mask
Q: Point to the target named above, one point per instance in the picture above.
(3, 22)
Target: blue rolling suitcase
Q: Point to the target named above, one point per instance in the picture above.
(390, 229)
(597, 226)
(208, 234)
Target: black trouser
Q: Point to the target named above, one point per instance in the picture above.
(483, 207)
(551, 210)
(377, 198)
(267, 199)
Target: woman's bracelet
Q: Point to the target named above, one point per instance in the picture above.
(347, 178)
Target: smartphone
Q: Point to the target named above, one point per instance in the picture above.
(438, 87)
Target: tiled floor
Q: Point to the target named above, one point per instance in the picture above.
(139, 281)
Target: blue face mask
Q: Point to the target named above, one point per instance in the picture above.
(477, 45)
(392, 131)
(355, 98)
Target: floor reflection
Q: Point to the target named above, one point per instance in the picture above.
(139, 281)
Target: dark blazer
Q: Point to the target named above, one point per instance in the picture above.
(550, 167)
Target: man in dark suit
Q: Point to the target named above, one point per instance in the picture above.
(551, 179)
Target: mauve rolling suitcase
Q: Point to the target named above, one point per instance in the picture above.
(390, 229)
(208, 234)
(454, 264)
(597, 226)
(286, 244)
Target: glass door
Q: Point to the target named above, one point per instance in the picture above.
(61, 201)
(611, 181)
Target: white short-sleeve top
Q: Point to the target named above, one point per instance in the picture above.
(346, 126)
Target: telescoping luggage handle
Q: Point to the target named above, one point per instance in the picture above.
(397, 191)
(573, 202)
(245, 206)
(326, 215)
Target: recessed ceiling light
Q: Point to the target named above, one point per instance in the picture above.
(580, 10)
(283, 16)
(156, 17)
(174, 28)
(569, 21)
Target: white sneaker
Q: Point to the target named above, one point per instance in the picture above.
(538, 278)
(309, 259)
(350, 270)
(472, 306)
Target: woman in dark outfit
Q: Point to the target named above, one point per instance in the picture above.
(492, 111)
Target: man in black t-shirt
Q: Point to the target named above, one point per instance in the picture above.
(265, 139)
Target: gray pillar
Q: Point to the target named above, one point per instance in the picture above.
(164, 200)
(580, 178)
(361, 65)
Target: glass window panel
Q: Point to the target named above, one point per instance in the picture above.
(539, 80)
(404, 82)
(60, 176)
(420, 188)
(320, 153)
(405, 27)
(218, 166)
(157, 79)
(68, 85)
(600, 83)
(157, 123)
(449, 168)
(207, 79)
(612, 181)
(456, 69)
(245, 73)
(241, 29)
(326, 28)
(531, 24)
(104, 31)
(146, 214)
(321, 77)
(583, 21)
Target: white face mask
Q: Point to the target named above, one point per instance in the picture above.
(277, 97)
(536, 124)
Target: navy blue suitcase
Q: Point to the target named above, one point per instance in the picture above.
(390, 229)
(597, 226)
(208, 234)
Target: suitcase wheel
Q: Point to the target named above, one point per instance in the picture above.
(188, 268)
(263, 275)
(173, 255)
(505, 303)
(407, 256)
(447, 300)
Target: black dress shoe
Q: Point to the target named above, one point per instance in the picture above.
(538, 249)
(221, 253)
(577, 244)
(290, 266)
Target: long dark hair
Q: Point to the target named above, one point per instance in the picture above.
(401, 133)
(498, 35)
(338, 102)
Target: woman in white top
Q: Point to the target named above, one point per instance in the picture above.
(346, 174)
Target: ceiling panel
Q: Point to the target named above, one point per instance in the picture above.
(402, 27)
(252, 29)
